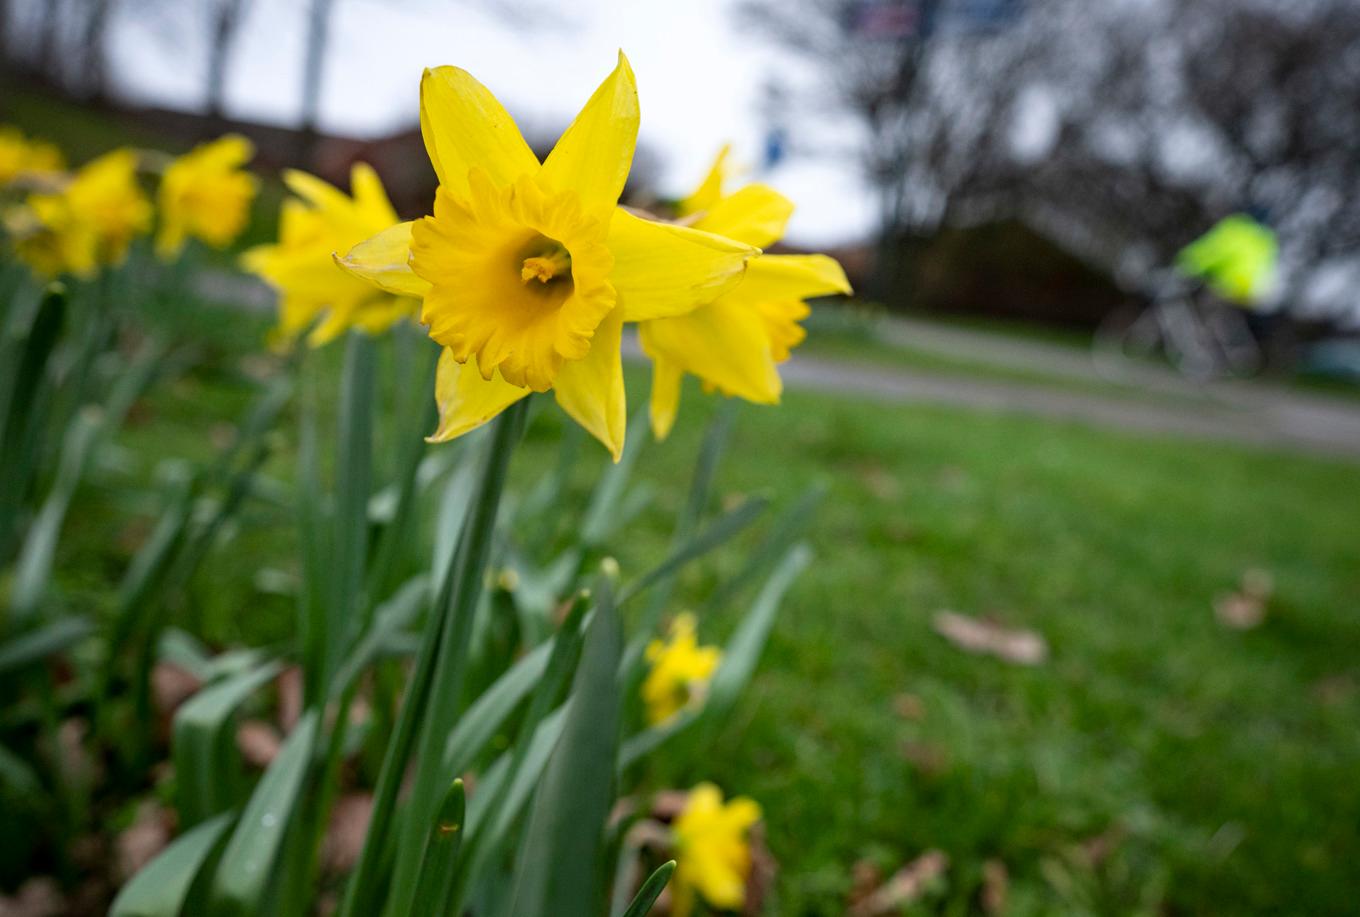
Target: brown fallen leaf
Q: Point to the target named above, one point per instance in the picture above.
(289, 684)
(865, 879)
(975, 635)
(903, 887)
(258, 742)
(1246, 608)
(171, 686)
(147, 836)
(345, 835)
(931, 760)
(37, 897)
(995, 886)
(909, 707)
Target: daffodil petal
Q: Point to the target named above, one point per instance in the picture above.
(663, 270)
(320, 194)
(724, 343)
(385, 260)
(466, 400)
(464, 126)
(710, 189)
(590, 390)
(791, 277)
(368, 191)
(594, 155)
(756, 215)
(665, 400)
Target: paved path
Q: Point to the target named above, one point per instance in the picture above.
(1157, 400)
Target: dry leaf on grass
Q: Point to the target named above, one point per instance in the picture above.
(147, 836)
(995, 886)
(259, 742)
(171, 686)
(38, 897)
(975, 635)
(1246, 608)
(909, 707)
(289, 685)
(345, 834)
(905, 886)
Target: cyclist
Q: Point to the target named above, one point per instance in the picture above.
(1236, 259)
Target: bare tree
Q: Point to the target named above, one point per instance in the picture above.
(225, 18)
(1121, 129)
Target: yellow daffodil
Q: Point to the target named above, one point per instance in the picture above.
(735, 342)
(205, 194)
(713, 857)
(89, 223)
(47, 238)
(20, 157)
(528, 270)
(680, 670)
(318, 222)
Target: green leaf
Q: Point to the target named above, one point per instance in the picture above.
(651, 890)
(45, 641)
(390, 621)
(438, 673)
(203, 747)
(489, 712)
(353, 483)
(506, 794)
(24, 403)
(33, 571)
(161, 887)
(559, 867)
(602, 514)
(725, 527)
(743, 650)
(441, 854)
(247, 865)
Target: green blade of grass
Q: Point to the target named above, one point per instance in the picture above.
(250, 859)
(449, 620)
(353, 483)
(161, 888)
(441, 855)
(651, 890)
(36, 645)
(558, 866)
(203, 745)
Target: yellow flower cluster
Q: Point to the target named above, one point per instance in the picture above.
(528, 271)
(712, 852)
(680, 670)
(21, 158)
(83, 221)
(313, 293)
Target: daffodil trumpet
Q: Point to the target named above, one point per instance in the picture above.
(527, 270)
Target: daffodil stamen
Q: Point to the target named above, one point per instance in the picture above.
(552, 262)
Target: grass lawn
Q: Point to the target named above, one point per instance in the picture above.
(1157, 763)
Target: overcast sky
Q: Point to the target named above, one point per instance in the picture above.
(700, 79)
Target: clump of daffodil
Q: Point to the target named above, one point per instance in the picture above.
(205, 194)
(21, 157)
(89, 223)
(320, 221)
(735, 343)
(528, 270)
(680, 670)
(712, 853)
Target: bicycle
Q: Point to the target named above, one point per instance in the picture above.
(1200, 334)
